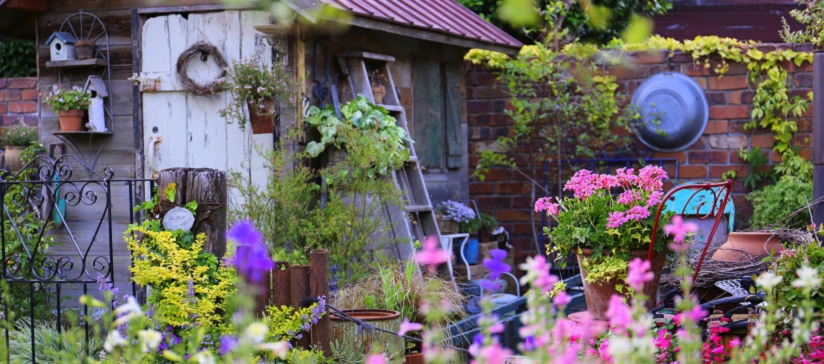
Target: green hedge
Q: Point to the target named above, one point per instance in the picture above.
(17, 59)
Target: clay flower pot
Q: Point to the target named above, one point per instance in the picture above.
(347, 333)
(598, 294)
(413, 358)
(261, 122)
(84, 49)
(71, 120)
(379, 92)
(755, 243)
(13, 163)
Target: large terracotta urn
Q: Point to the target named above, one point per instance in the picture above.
(754, 243)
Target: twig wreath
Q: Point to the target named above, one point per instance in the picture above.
(204, 50)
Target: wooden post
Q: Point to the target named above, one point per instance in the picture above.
(319, 282)
(208, 188)
(818, 136)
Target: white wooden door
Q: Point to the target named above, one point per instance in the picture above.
(181, 129)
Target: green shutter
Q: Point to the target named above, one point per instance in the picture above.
(454, 138)
(428, 112)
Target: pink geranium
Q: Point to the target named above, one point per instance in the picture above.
(639, 274)
(432, 255)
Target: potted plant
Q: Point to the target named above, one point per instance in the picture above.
(606, 230)
(385, 137)
(70, 106)
(451, 214)
(84, 48)
(257, 88)
(16, 139)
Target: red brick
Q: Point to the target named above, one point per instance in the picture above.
(490, 202)
(734, 97)
(738, 127)
(9, 95)
(30, 95)
(649, 57)
(512, 188)
(497, 174)
(738, 69)
(717, 98)
(692, 172)
(480, 106)
(804, 126)
(728, 83)
(490, 92)
(680, 57)
(481, 188)
(523, 229)
(693, 69)
(728, 141)
(701, 81)
(717, 127)
(26, 107)
(470, 94)
(717, 171)
(512, 215)
(803, 139)
(699, 144)
(805, 153)
(3, 109)
(706, 157)
(524, 202)
(803, 80)
(775, 157)
(2, 83)
(762, 140)
(23, 82)
(681, 157)
(729, 112)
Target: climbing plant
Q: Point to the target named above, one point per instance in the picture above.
(17, 59)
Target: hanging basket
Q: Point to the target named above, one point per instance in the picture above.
(446, 225)
(262, 122)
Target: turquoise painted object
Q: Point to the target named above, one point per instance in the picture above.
(59, 205)
(704, 199)
(470, 252)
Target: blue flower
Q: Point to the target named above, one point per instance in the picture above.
(496, 264)
(251, 257)
(227, 344)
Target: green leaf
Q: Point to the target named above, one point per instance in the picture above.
(314, 149)
(191, 206)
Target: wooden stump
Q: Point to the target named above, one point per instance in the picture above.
(208, 188)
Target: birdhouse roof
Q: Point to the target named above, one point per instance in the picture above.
(96, 83)
(66, 37)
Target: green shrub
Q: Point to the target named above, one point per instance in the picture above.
(773, 203)
(17, 59)
(20, 135)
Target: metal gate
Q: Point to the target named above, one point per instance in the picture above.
(63, 225)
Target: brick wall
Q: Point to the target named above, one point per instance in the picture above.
(18, 100)
(507, 197)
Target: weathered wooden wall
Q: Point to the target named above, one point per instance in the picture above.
(410, 54)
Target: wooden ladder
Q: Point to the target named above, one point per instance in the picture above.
(415, 220)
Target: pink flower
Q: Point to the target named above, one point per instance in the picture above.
(638, 274)
(679, 229)
(561, 299)
(497, 328)
(375, 359)
(583, 183)
(494, 354)
(407, 326)
(537, 273)
(432, 255)
(625, 176)
(654, 199)
(545, 204)
(629, 197)
(615, 219)
(618, 313)
(697, 313)
(650, 178)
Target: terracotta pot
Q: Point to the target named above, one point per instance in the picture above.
(71, 120)
(379, 92)
(13, 163)
(84, 49)
(755, 243)
(598, 294)
(346, 333)
(261, 123)
(413, 358)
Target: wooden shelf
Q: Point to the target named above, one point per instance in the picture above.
(90, 133)
(93, 62)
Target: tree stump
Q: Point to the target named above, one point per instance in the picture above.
(208, 188)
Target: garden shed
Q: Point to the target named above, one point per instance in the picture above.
(155, 120)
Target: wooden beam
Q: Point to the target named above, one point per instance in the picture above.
(192, 9)
(818, 138)
(18, 27)
(39, 6)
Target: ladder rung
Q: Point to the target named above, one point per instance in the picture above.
(368, 55)
(413, 159)
(418, 208)
(395, 108)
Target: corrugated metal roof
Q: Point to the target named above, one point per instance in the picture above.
(444, 16)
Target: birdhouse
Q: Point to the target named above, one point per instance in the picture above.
(61, 45)
(97, 112)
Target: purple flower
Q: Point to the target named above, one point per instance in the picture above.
(318, 310)
(407, 326)
(251, 257)
(227, 344)
(496, 264)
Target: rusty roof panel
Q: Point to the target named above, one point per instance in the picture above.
(445, 16)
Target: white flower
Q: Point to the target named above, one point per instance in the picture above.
(113, 340)
(149, 339)
(204, 357)
(256, 332)
(280, 348)
(768, 280)
(619, 347)
(807, 278)
(127, 311)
